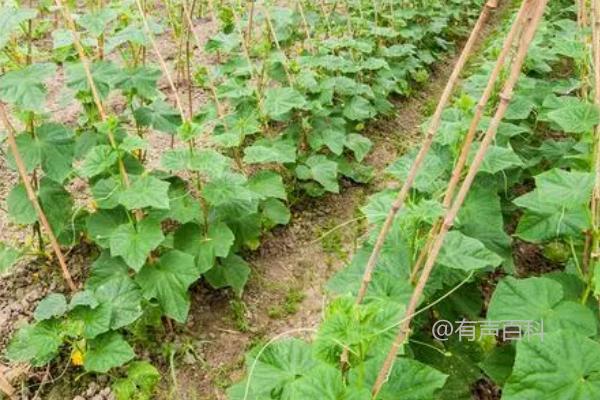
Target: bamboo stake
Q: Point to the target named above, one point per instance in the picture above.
(212, 85)
(427, 142)
(211, 82)
(276, 40)
(84, 60)
(246, 52)
(305, 25)
(537, 10)
(471, 133)
(161, 59)
(250, 23)
(31, 195)
(88, 74)
(595, 205)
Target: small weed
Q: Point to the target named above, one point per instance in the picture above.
(238, 310)
(332, 240)
(290, 305)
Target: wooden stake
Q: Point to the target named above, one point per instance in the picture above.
(427, 142)
(88, 74)
(246, 52)
(285, 64)
(161, 59)
(32, 196)
(305, 25)
(250, 24)
(84, 60)
(470, 136)
(537, 8)
(594, 251)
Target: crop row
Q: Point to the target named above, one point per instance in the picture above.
(521, 249)
(285, 111)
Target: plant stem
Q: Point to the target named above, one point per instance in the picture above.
(32, 196)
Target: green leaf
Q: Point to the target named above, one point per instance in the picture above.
(98, 160)
(557, 207)
(105, 269)
(358, 109)
(222, 238)
(233, 271)
(431, 176)
(146, 191)
(134, 243)
(191, 239)
(96, 21)
(140, 81)
(465, 253)
(52, 147)
(497, 159)
(104, 74)
(53, 305)
(8, 257)
(208, 162)
(332, 137)
(20, 209)
(132, 143)
(321, 170)
(85, 298)
(24, 88)
(101, 225)
(563, 366)
(275, 212)
(539, 299)
(37, 344)
(481, 218)
(359, 145)
(412, 380)
(267, 184)
(160, 116)
(270, 151)
(114, 303)
(10, 19)
(184, 207)
(279, 101)
(279, 368)
(106, 352)
(120, 297)
(576, 117)
(57, 204)
(168, 281)
(139, 383)
(222, 191)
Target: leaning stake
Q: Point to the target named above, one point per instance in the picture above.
(433, 127)
(536, 9)
(470, 136)
(10, 131)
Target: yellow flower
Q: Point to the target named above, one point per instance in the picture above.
(77, 357)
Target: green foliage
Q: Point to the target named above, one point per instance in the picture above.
(161, 231)
(534, 186)
(139, 383)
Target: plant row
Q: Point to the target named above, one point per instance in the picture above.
(532, 195)
(273, 125)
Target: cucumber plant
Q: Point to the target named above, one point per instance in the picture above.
(533, 191)
(286, 114)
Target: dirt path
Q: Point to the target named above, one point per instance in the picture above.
(293, 263)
